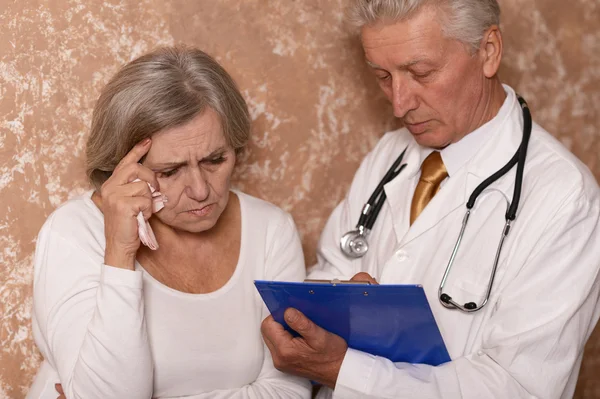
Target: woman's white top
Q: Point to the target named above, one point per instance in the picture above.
(107, 332)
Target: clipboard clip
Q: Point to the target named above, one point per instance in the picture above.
(336, 281)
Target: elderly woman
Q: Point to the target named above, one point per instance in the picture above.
(116, 319)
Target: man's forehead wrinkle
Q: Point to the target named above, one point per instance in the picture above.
(384, 49)
(424, 25)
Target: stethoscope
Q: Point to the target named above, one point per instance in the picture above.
(354, 243)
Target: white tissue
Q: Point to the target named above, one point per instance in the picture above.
(144, 230)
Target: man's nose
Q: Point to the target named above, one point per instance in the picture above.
(404, 98)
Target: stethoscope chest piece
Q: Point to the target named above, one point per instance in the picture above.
(354, 244)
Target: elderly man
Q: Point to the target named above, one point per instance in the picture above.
(437, 62)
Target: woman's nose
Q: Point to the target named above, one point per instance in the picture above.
(197, 186)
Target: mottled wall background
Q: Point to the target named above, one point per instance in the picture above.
(316, 110)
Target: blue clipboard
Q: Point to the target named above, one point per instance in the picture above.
(392, 321)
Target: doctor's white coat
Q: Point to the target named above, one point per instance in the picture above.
(528, 341)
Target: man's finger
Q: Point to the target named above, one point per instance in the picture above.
(272, 348)
(59, 389)
(364, 277)
(273, 332)
(277, 339)
(303, 325)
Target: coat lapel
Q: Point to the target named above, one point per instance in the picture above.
(400, 190)
(503, 143)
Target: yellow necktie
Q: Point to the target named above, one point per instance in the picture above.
(433, 172)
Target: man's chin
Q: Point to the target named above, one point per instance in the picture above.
(430, 139)
(425, 140)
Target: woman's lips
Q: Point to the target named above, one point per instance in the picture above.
(201, 212)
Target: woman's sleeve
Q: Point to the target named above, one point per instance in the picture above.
(89, 321)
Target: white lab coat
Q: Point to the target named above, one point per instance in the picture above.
(527, 342)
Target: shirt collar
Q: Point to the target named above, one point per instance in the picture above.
(456, 155)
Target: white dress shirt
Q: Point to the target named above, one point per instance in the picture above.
(528, 341)
(113, 333)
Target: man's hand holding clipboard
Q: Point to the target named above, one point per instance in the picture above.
(325, 350)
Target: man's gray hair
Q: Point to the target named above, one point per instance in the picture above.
(463, 20)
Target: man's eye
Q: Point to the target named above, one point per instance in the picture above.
(421, 75)
(383, 78)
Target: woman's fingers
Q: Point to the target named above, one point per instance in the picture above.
(124, 196)
(129, 169)
(146, 208)
(135, 189)
(131, 172)
(131, 206)
(114, 197)
(136, 153)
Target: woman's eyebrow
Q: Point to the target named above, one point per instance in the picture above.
(176, 164)
(216, 153)
(167, 165)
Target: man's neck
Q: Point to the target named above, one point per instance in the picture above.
(492, 102)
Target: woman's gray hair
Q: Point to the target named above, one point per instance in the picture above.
(463, 20)
(160, 90)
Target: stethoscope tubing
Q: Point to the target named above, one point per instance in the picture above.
(373, 207)
(519, 158)
(374, 204)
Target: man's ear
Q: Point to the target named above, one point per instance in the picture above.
(491, 50)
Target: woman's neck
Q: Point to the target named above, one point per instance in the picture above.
(196, 262)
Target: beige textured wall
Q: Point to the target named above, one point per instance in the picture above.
(316, 110)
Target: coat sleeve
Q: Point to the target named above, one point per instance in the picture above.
(533, 340)
(89, 322)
